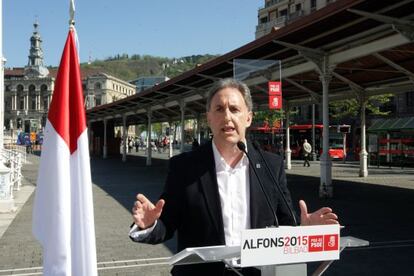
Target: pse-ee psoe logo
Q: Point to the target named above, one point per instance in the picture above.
(323, 243)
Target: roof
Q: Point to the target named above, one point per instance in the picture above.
(369, 55)
(19, 72)
(396, 124)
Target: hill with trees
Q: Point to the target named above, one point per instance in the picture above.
(132, 67)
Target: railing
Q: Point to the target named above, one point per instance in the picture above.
(13, 160)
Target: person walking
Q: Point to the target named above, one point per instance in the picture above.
(307, 149)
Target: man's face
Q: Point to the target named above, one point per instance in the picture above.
(228, 117)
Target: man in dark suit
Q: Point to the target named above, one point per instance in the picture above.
(210, 194)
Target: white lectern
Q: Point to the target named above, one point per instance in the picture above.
(231, 255)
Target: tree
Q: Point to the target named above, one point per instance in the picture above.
(351, 107)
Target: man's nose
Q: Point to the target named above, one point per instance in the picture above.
(227, 115)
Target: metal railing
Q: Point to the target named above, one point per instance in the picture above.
(13, 160)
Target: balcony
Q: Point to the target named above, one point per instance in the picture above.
(270, 4)
(265, 28)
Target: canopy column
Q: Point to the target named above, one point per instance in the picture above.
(363, 155)
(149, 132)
(288, 150)
(124, 138)
(325, 187)
(182, 108)
(105, 145)
(313, 133)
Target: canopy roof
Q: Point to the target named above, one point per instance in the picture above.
(397, 124)
(370, 53)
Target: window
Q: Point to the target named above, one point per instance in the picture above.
(298, 7)
(33, 105)
(98, 85)
(313, 4)
(98, 101)
(45, 103)
(283, 13)
(21, 106)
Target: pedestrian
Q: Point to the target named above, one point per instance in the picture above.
(306, 150)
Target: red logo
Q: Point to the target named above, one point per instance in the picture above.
(275, 101)
(315, 243)
(275, 88)
(330, 242)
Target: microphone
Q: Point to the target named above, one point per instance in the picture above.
(269, 171)
(242, 147)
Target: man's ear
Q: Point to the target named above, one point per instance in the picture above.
(249, 118)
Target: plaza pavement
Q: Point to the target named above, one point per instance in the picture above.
(379, 208)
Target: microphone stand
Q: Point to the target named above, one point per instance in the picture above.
(242, 147)
(257, 147)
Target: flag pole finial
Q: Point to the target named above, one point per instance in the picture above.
(72, 14)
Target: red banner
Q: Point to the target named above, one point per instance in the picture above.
(275, 95)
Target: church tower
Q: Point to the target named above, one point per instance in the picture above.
(35, 67)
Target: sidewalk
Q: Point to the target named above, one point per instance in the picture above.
(378, 208)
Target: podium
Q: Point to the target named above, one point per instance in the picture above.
(232, 256)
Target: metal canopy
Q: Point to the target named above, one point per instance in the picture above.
(367, 49)
(384, 125)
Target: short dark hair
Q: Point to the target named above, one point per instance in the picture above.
(230, 83)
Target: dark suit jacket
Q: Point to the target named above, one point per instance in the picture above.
(193, 209)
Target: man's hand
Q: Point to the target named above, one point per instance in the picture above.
(145, 213)
(321, 216)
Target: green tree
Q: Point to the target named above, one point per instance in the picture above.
(351, 107)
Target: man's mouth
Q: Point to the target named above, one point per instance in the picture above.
(228, 129)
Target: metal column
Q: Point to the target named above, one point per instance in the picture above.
(124, 138)
(313, 133)
(182, 108)
(149, 132)
(288, 151)
(105, 147)
(363, 166)
(325, 188)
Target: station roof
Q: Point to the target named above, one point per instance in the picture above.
(394, 124)
(372, 54)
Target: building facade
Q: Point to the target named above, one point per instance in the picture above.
(101, 88)
(29, 90)
(278, 13)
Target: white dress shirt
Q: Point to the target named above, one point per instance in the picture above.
(234, 191)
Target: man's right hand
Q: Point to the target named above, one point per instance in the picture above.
(145, 213)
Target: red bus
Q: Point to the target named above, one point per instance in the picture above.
(271, 138)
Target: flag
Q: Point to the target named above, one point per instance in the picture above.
(63, 208)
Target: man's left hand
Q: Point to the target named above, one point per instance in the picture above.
(321, 216)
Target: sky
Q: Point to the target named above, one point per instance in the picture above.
(166, 28)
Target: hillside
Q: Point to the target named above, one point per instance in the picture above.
(131, 67)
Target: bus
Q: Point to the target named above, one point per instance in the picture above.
(271, 139)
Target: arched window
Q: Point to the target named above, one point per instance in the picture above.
(20, 96)
(44, 95)
(32, 97)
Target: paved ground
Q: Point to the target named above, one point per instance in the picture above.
(378, 208)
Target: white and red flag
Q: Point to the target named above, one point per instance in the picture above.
(63, 208)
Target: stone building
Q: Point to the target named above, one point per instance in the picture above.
(28, 90)
(101, 88)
